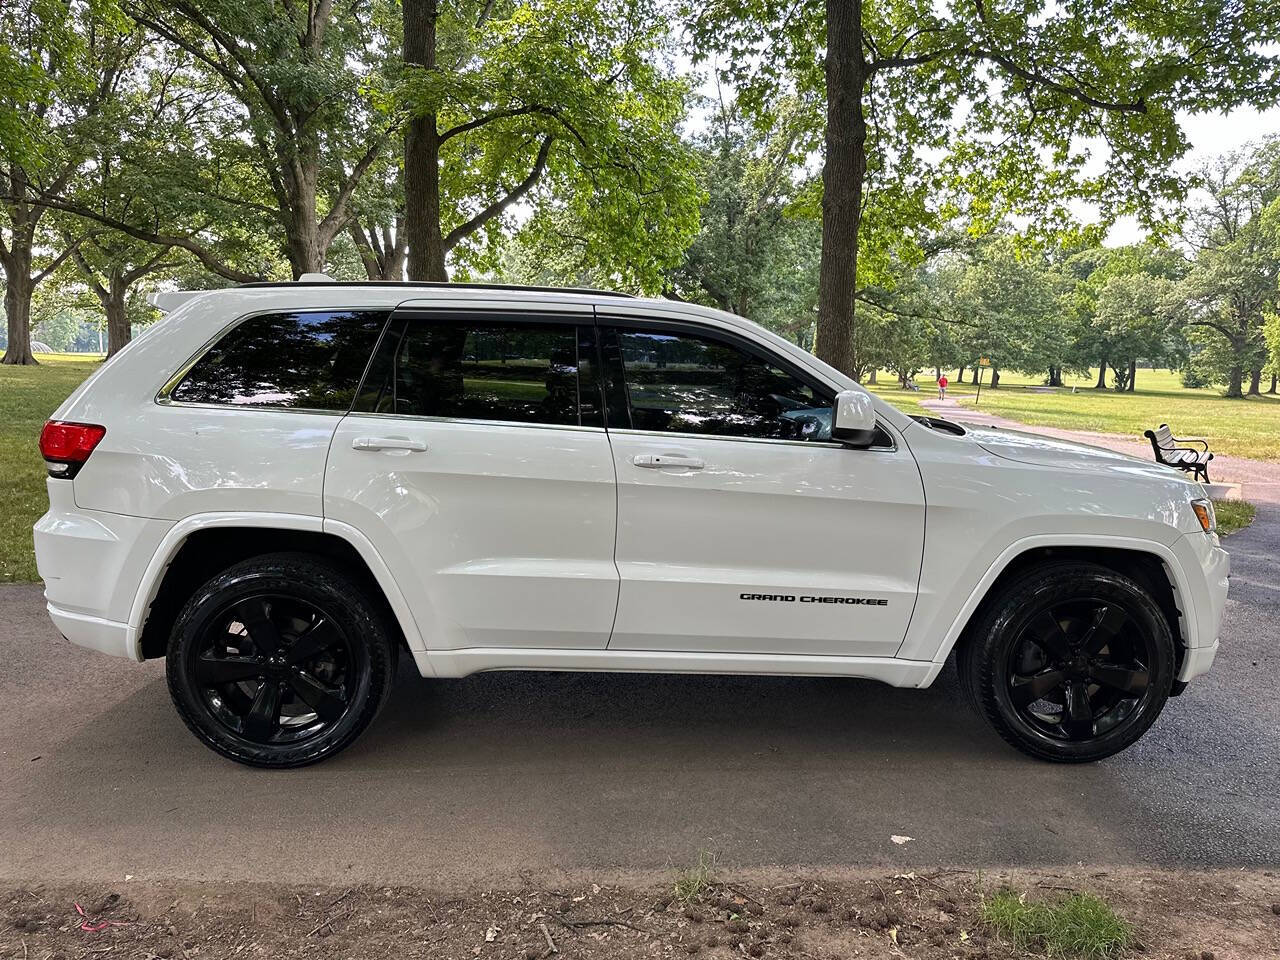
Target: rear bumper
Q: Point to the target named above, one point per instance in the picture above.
(92, 564)
(105, 636)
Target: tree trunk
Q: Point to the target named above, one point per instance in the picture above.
(872, 378)
(118, 329)
(842, 176)
(1235, 381)
(303, 240)
(1133, 375)
(17, 310)
(1255, 381)
(977, 373)
(1102, 376)
(960, 376)
(995, 378)
(422, 154)
(1273, 383)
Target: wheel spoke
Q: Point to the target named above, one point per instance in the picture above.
(1050, 635)
(253, 614)
(323, 700)
(1107, 621)
(1120, 678)
(1027, 690)
(1077, 717)
(263, 718)
(212, 671)
(318, 637)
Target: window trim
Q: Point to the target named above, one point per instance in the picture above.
(495, 315)
(611, 322)
(164, 396)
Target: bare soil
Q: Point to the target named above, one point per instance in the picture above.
(1231, 915)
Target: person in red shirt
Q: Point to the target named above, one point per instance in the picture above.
(942, 387)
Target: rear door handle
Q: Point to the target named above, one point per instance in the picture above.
(659, 460)
(388, 443)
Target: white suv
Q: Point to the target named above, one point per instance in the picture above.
(280, 487)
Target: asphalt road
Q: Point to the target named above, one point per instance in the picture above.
(496, 775)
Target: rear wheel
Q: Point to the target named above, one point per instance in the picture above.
(1071, 662)
(279, 661)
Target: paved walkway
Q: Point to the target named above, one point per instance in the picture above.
(1260, 478)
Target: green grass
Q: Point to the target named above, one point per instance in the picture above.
(27, 396)
(1233, 515)
(1248, 427)
(1079, 925)
(694, 880)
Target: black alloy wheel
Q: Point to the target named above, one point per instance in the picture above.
(280, 661)
(275, 668)
(1070, 662)
(1079, 669)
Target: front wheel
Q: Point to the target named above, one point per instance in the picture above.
(1071, 662)
(279, 661)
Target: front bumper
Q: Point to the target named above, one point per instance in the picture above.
(1202, 600)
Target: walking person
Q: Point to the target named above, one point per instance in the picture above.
(942, 387)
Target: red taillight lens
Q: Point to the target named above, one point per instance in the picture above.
(65, 446)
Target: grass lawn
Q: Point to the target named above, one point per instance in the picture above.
(1246, 428)
(1233, 515)
(27, 396)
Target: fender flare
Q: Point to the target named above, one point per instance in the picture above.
(177, 535)
(1173, 568)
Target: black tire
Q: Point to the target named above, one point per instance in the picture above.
(1070, 662)
(280, 661)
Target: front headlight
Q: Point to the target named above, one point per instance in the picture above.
(1205, 514)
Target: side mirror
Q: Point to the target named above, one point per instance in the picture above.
(853, 422)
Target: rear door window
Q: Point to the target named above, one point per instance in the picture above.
(308, 360)
(486, 368)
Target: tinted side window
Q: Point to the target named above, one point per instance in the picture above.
(687, 383)
(310, 360)
(482, 368)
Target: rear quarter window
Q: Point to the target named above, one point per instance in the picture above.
(308, 360)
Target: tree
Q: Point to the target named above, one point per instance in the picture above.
(753, 255)
(68, 58)
(303, 122)
(1134, 319)
(510, 103)
(1000, 87)
(1235, 278)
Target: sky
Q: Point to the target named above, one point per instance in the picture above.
(1210, 135)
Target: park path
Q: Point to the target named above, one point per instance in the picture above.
(1260, 479)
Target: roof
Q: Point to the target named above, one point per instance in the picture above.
(434, 284)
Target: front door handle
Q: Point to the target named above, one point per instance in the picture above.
(659, 460)
(388, 443)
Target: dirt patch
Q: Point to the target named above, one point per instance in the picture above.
(928, 916)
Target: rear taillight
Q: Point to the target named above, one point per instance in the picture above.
(66, 446)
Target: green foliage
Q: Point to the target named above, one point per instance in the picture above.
(1079, 925)
(581, 85)
(1016, 99)
(1235, 280)
(753, 255)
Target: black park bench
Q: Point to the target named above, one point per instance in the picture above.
(1167, 451)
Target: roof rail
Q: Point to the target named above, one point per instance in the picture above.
(310, 280)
